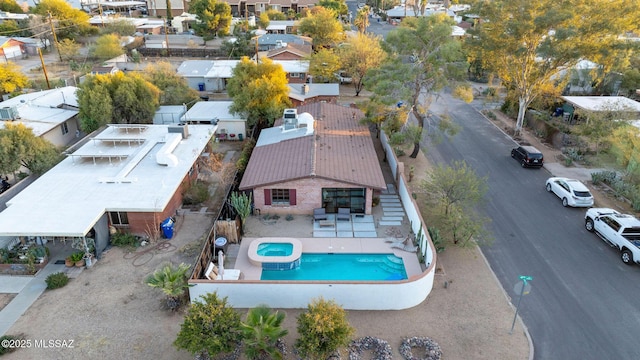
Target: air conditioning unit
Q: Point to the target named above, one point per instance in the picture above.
(9, 113)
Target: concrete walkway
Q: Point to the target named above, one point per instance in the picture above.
(573, 172)
(28, 289)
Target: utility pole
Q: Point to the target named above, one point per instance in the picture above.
(44, 69)
(55, 37)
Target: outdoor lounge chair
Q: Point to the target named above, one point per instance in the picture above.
(344, 214)
(319, 214)
(406, 244)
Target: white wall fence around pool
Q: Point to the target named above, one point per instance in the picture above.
(382, 295)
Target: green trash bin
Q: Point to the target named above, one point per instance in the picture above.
(240, 137)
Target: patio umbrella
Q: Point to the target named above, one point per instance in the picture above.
(221, 264)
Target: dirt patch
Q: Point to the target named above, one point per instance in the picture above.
(6, 299)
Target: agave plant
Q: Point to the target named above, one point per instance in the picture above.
(262, 330)
(172, 280)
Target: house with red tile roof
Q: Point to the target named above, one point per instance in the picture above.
(317, 156)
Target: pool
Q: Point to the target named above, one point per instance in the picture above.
(275, 249)
(345, 267)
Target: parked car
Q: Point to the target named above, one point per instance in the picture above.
(528, 156)
(621, 231)
(109, 12)
(344, 78)
(571, 191)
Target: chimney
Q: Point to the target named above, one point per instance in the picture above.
(305, 89)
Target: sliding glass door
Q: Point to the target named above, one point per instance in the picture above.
(352, 198)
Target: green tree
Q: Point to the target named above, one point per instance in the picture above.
(261, 331)
(625, 146)
(630, 82)
(210, 327)
(11, 79)
(598, 126)
(362, 19)
(323, 65)
(107, 47)
(274, 14)
(360, 54)
(338, 6)
(424, 58)
(259, 92)
(528, 43)
(322, 26)
(174, 89)
(214, 17)
(96, 106)
(451, 196)
(323, 329)
(172, 280)
(10, 6)
(9, 28)
(120, 27)
(68, 49)
(69, 22)
(20, 147)
(240, 46)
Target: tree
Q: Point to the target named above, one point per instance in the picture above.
(451, 196)
(362, 19)
(96, 107)
(625, 146)
(9, 27)
(261, 331)
(174, 89)
(68, 49)
(120, 27)
(11, 79)
(10, 6)
(172, 280)
(20, 147)
(322, 26)
(338, 6)
(360, 54)
(239, 46)
(598, 126)
(274, 14)
(323, 329)
(323, 65)
(424, 59)
(107, 47)
(630, 82)
(69, 22)
(214, 18)
(528, 43)
(259, 92)
(210, 327)
(169, 11)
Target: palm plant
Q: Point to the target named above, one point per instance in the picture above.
(261, 331)
(172, 280)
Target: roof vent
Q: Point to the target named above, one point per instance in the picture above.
(290, 119)
(9, 113)
(179, 129)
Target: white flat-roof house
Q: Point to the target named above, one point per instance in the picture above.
(230, 126)
(50, 114)
(130, 177)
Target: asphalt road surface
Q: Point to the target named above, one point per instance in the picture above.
(584, 302)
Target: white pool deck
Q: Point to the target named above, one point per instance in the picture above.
(331, 245)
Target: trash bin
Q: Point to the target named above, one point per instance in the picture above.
(220, 244)
(240, 137)
(167, 228)
(201, 86)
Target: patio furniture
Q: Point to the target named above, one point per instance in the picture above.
(344, 214)
(326, 223)
(319, 214)
(406, 244)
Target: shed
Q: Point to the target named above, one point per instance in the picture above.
(230, 126)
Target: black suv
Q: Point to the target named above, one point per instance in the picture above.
(528, 156)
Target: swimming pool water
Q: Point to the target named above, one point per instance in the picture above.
(275, 249)
(346, 267)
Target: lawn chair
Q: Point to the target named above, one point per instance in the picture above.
(406, 245)
(344, 214)
(319, 214)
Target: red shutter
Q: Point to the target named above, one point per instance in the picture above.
(267, 196)
(292, 196)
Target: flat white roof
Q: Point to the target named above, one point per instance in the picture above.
(293, 66)
(603, 103)
(209, 111)
(114, 171)
(197, 68)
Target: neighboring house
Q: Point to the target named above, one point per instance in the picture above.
(290, 52)
(104, 70)
(11, 48)
(127, 177)
(246, 8)
(194, 72)
(599, 103)
(50, 114)
(301, 94)
(319, 156)
(282, 27)
(230, 126)
(297, 70)
(4, 16)
(268, 42)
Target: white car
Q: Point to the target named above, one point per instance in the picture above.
(572, 192)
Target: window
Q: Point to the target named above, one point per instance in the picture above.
(64, 128)
(280, 196)
(119, 218)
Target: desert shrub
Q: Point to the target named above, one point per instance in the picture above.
(247, 149)
(323, 329)
(606, 177)
(196, 194)
(57, 280)
(123, 239)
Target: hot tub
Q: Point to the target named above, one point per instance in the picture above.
(275, 253)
